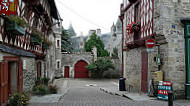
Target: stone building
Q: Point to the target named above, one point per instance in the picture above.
(27, 51)
(74, 64)
(165, 21)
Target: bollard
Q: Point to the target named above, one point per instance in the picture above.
(170, 98)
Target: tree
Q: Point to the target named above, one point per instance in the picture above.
(95, 41)
(66, 45)
(100, 66)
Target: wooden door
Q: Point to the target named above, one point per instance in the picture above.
(66, 73)
(38, 69)
(3, 83)
(144, 72)
(80, 70)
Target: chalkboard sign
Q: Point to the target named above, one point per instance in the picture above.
(163, 88)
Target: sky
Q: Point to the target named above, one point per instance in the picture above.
(85, 15)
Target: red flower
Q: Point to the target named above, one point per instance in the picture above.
(133, 27)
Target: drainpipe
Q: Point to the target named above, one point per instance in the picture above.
(121, 18)
(186, 23)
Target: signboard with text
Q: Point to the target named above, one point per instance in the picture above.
(8, 7)
(163, 88)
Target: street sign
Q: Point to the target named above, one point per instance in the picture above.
(150, 50)
(163, 88)
(150, 43)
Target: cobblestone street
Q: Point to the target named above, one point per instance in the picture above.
(86, 92)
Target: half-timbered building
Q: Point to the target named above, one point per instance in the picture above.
(29, 31)
(165, 21)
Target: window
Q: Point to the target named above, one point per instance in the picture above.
(58, 45)
(137, 13)
(58, 64)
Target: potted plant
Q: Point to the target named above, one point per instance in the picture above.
(19, 99)
(16, 25)
(36, 38)
(46, 44)
(133, 27)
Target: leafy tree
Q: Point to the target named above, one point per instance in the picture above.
(95, 41)
(66, 45)
(100, 66)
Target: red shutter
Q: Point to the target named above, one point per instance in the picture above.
(20, 76)
(3, 83)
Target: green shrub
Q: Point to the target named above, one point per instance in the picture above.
(19, 99)
(40, 81)
(53, 89)
(45, 80)
(40, 89)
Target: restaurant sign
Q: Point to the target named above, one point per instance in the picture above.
(8, 7)
(163, 88)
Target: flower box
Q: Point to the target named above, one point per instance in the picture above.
(14, 28)
(35, 40)
(45, 46)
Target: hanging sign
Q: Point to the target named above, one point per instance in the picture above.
(8, 7)
(163, 88)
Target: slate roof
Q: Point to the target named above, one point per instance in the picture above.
(15, 51)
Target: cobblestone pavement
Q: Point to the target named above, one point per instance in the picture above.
(87, 93)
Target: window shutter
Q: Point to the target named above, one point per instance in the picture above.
(3, 83)
(20, 76)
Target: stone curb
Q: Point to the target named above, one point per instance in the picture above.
(115, 93)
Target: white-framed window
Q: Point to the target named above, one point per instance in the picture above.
(58, 43)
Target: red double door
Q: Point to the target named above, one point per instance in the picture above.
(80, 70)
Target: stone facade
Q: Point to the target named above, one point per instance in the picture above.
(169, 35)
(29, 72)
(71, 59)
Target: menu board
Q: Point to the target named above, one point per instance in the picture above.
(163, 88)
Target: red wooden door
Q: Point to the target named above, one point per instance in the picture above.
(80, 70)
(144, 72)
(3, 83)
(66, 74)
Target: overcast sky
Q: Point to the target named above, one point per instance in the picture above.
(89, 14)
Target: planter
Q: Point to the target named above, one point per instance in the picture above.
(14, 28)
(45, 46)
(35, 40)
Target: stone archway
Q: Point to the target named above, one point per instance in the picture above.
(80, 70)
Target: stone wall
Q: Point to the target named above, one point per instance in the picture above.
(71, 59)
(170, 36)
(133, 70)
(29, 73)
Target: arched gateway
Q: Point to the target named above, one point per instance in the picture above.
(80, 70)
